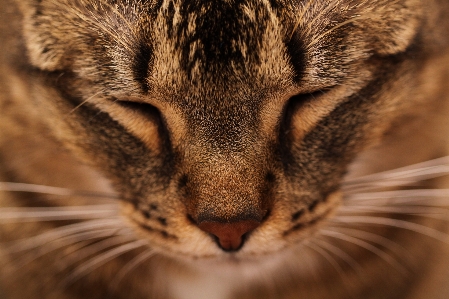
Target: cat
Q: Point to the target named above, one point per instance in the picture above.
(224, 149)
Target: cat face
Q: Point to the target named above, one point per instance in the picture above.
(224, 126)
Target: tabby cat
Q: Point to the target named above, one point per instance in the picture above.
(224, 149)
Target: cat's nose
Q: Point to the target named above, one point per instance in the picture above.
(230, 235)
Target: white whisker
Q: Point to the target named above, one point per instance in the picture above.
(300, 17)
(89, 249)
(374, 238)
(138, 260)
(401, 196)
(60, 232)
(42, 189)
(319, 38)
(375, 250)
(86, 100)
(315, 247)
(402, 176)
(429, 212)
(57, 213)
(101, 259)
(63, 242)
(340, 253)
(372, 186)
(411, 226)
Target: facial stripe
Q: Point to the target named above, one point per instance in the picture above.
(296, 51)
(216, 41)
(141, 64)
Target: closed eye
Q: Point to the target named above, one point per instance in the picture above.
(310, 96)
(299, 100)
(141, 119)
(303, 111)
(147, 110)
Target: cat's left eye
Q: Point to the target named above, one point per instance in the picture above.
(303, 111)
(296, 102)
(309, 96)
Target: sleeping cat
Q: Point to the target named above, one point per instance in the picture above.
(224, 149)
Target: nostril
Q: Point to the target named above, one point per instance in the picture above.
(229, 235)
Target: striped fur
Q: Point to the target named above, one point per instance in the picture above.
(224, 111)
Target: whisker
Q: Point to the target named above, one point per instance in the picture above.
(130, 266)
(57, 213)
(340, 253)
(59, 232)
(315, 247)
(300, 17)
(86, 243)
(429, 212)
(63, 242)
(122, 17)
(85, 101)
(85, 250)
(374, 238)
(407, 225)
(42, 189)
(308, 262)
(371, 186)
(319, 17)
(401, 196)
(406, 175)
(322, 35)
(375, 250)
(100, 260)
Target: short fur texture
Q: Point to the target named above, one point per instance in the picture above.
(222, 112)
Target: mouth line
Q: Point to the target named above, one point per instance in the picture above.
(308, 224)
(130, 212)
(333, 200)
(164, 234)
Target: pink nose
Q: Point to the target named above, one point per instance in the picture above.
(229, 234)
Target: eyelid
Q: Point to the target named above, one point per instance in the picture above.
(141, 107)
(297, 100)
(305, 110)
(141, 119)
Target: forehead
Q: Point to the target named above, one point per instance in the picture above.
(212, 42)
(219, 61)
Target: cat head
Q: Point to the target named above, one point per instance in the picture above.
(224, 125)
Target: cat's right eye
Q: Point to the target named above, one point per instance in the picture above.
(142, 120)
(143, 108)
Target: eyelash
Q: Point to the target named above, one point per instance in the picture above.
(140, 107)
(298, 100)
(311, 95)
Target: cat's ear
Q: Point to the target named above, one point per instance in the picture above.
(41, 33)
(391, 28)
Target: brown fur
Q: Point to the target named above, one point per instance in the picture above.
(196, 112)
